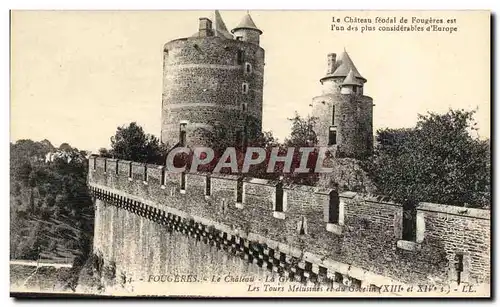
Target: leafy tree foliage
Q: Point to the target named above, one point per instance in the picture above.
(51, 210)
(302, 132)
(437, 161)
(104, 152)
(132, 143)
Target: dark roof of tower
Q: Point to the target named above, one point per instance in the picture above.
(344, 66)
(220, 28)
(246, 23)
(350, 79)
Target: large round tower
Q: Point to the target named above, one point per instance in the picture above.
(344, 113)
(212, 85)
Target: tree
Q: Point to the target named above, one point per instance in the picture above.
(132, 143)
(302, 133)
(437, 161)
(104, 152)
(65, 147)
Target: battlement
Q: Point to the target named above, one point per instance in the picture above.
(349, 233)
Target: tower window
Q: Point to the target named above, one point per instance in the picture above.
(182, 134)
(239, 38)
(240, 57)
(248, 68)
(332, 136)
(244, 88)
(333, 116)
(244, 107)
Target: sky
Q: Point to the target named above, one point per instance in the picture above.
(77, 75)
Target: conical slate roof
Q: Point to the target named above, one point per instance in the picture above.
(346, 65)
(350, 79)
(246, 23)
(220, 27)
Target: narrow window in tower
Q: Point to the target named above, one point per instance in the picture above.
(244, 88)
(332, 136)
(182, 134)
(248, 68)
(333, 208)
(244, 107)
(333, 116)
(240, 57)
(279, 197)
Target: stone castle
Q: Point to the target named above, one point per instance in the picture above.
(344, 113)
(213, 84)
(150, 221)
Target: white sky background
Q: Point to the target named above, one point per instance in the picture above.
(76, 76)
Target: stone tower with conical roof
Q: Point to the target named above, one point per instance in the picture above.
(212, 85)
(344, 113)
(247, 31)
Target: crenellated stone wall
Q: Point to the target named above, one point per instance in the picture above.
(362, 246)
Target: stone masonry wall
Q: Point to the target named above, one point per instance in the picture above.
(365, 244)
(353, 122)
(203, 85)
